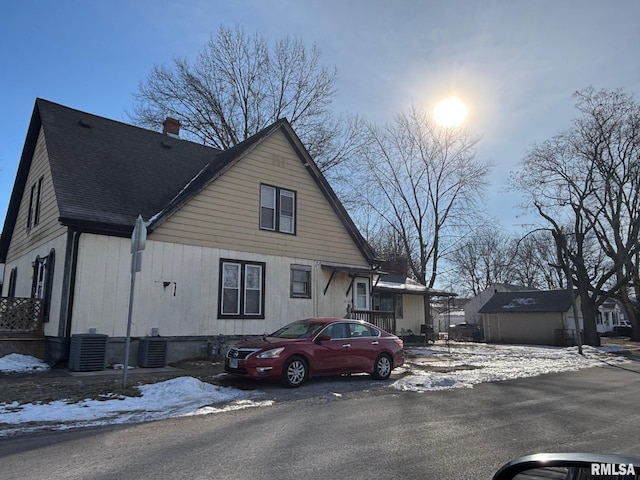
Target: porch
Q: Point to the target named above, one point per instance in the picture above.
(21, 326)
(386, 320)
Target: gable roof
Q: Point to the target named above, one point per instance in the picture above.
(105, 173)
(530, 301)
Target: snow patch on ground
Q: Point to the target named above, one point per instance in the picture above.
(18, 363)
(438, 367)
(471, 364)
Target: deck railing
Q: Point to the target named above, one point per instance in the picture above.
(386, 320)
(21, 316)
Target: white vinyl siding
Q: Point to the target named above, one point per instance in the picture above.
(177, 290)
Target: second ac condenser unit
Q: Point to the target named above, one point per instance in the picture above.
(152, 352)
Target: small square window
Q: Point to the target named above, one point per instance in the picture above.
(300, 281)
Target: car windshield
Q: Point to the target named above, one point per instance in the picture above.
(298, 330)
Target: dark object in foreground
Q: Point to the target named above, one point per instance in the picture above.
(317, 347)
(571, 466)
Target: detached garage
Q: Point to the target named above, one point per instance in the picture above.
(542, 317)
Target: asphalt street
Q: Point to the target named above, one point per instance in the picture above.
(363, 434)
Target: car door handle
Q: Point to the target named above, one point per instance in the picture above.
(374, 343)
(346, 345)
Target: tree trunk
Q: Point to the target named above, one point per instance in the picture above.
(589, 311)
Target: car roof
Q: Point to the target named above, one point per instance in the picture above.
(328, 320)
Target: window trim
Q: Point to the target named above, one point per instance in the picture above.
(242, 289)
(300, 268)
(277, 215)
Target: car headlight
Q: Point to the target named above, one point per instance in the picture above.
(273, 353)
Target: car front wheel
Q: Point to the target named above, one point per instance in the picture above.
(294, 372)
(382, 367)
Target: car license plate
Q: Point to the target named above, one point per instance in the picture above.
(233, 363)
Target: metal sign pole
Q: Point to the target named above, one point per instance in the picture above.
(138, 239)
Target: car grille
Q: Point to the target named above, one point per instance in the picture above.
(241, 353)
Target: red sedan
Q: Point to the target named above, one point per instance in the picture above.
(316, 347)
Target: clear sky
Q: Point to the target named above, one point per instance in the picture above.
(515, 63)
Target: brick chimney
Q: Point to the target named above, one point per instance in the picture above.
(171, 127)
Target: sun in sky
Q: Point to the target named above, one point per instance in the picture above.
(450, 112)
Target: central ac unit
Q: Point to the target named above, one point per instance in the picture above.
(152, 352)
(88, 352)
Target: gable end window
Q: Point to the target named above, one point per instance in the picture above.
(33, 216)
(241, 292)
(300, 281)
(277, 209)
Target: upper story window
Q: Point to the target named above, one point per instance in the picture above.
(33, 217)
(277, 209)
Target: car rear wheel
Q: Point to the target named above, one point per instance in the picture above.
(294, 372)
(382, 367)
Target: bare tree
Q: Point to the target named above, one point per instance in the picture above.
(238, 85)
(588, 178)
(483, 258)
(534, 263)
(488, 256)
(422, 181)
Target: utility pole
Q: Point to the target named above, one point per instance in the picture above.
(138, 239)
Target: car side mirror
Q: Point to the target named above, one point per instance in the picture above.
(322, 338)
(570, 466)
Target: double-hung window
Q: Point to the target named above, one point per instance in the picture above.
(241, 289)
(277, 209)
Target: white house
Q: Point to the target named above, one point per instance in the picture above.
(239, 242)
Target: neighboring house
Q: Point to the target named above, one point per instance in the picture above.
(406, 297)
(542, 317)
(610, 316)
(473, 306)
(239, 242)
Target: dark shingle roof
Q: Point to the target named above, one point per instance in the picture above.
(532, 301)
(105, 173)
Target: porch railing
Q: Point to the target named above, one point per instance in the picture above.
(386, 320)
(21, 316)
